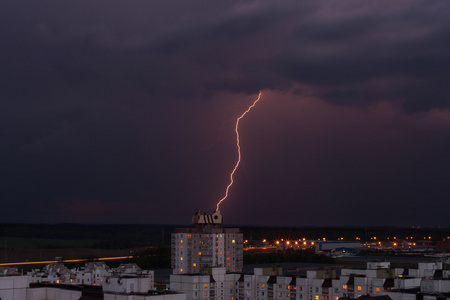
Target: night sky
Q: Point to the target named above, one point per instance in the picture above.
(124, 111)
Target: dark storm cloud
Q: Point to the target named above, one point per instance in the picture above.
(407, 46)
(115, 102)
(234, 47)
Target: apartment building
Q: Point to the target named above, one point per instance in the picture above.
(207, 244)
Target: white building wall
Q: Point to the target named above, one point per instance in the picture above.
(180, 262)
(377, 286)
(435, 286)
(400, 296)
(303, 288)
(99, 276)
(13, 287)
(147, 297)
(282, 288)
(225, 286)
(194, 286)
(360, 286)
(46, 293)
(407, 283)
(127, 285)
(219, 252)
(250, 287)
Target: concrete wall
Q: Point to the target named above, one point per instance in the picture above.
(127, 285)
(13, 287)
(141, 297)
(46, 293)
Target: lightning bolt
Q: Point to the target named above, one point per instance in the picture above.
(236, 129)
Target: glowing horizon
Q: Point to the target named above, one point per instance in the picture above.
(236, 129)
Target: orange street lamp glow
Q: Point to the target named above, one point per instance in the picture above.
(236, 129)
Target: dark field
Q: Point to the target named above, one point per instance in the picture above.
(33, 255)
(36, 242)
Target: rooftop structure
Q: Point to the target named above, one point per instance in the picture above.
(203, 219)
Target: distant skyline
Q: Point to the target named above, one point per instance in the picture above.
(124, 112)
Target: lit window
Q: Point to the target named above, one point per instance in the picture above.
(205, 285)
(359, 288)
(316, 297)
(262, 285)
(377, 289)
(232, 241)
(181, 258)
(199, 253)
(344, 287)
(181, 270)
(181, 241)
(336, 298)
(194, 264)
(231, 283)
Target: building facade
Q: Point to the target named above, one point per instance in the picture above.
(207, 244)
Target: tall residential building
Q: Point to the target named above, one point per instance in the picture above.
(207, 244)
